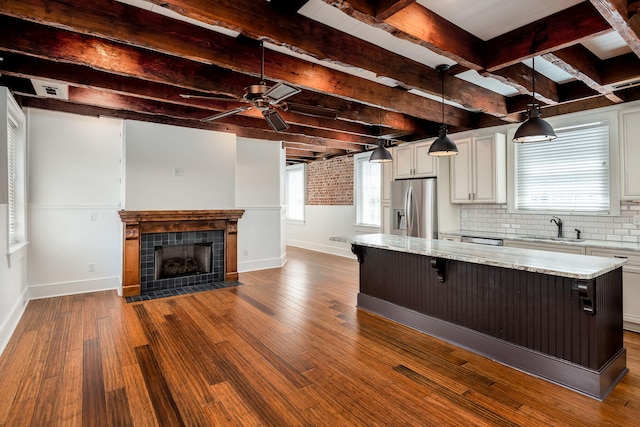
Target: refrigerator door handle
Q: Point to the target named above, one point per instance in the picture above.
(408, 200)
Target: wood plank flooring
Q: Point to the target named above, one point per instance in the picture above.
(286, 348)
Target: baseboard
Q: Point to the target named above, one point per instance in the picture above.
(262, 264)
(69, 288)
(11, 322)
(631, 323)
(327, 249)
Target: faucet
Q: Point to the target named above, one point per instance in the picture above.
(558, 222)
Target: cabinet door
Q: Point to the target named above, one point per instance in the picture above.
(461, 172)
(425, 165)
(484, 166)
(387, 171)
(630, 155)
(403, 162)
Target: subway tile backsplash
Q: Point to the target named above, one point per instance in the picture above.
(494, 218)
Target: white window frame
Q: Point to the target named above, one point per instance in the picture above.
(299, 168)
(357, 191)
(15, 162)
(573, 120)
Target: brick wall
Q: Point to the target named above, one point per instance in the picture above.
(330, 182)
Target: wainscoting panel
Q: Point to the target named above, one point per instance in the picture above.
(73, 249)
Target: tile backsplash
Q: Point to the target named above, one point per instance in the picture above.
(494, 218)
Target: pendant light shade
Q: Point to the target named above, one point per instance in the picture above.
(380, 154)
(443, 146)
(534, 129)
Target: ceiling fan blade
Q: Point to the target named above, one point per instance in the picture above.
(210, 98)
(310, 110)
(226, 114)
(280, 91)
(274, 119)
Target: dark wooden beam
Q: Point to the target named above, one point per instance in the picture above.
(258, 20)
(583, 65)
(554, 32)
(621, 68)
(387, 8)
(26, 37)
(520, 77)
(616, 13)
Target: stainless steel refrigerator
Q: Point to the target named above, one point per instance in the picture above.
(414, 210)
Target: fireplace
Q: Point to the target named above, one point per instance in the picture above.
(181, 260)
(199, 247)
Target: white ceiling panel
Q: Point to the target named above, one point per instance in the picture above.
(492, 84)
(490, 18)
(607, 46)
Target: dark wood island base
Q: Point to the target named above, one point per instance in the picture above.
(566, 330)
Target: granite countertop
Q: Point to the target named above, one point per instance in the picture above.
(554, 263)
(602, 244)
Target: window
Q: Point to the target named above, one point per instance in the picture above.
(13, 140)
(296, 191)
(570, 174)
(368, 182)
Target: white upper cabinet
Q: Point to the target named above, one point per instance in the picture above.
(414, 161)
(479, 171)
(630, 154)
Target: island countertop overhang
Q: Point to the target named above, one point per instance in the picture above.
(583, 267)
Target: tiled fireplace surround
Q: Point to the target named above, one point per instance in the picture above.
(144, 230)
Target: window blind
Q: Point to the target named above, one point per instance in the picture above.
(12, 130)
(369, 186)
(570, 173)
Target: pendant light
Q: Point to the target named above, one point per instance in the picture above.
(534, 129)
(443, 146)
(380, 154)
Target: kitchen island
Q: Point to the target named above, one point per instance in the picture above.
(557, 316)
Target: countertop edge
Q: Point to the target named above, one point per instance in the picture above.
(558, 264)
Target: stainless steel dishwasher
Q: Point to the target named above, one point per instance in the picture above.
(481, 240)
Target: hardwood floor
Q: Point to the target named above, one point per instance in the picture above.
(287, 347)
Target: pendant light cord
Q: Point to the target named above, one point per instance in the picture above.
(442, 92)
(533, 79)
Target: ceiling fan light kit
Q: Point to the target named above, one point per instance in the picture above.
(443, 146)
(267, 98)
(534, 129)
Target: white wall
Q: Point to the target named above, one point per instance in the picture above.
(74, 194)
(153, 155)
(323, 222)
(258, 186)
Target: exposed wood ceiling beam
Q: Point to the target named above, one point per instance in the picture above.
(557, 31)
(259, 20)
(617, 15)
(296, 71)
(387, 8)
(520, 76)
(584, 66)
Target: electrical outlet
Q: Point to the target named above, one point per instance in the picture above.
(92, 267)
(93, 216)
(178, 171)
(246, 252)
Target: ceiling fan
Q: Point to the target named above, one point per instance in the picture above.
(266, 99)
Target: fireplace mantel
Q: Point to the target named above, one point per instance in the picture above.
(137, 223)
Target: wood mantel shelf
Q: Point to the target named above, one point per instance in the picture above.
(137, 223)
